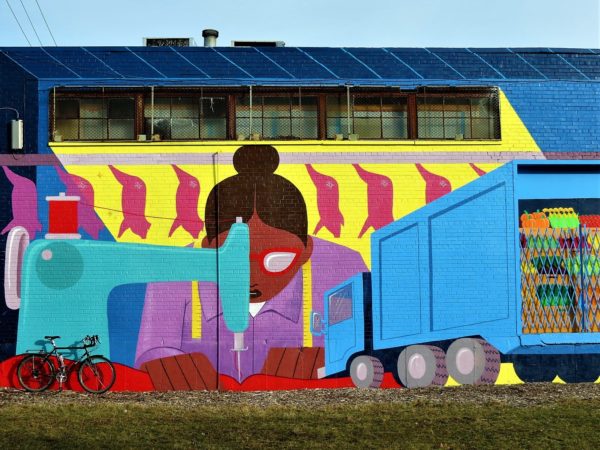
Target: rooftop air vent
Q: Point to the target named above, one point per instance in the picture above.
(210, 37)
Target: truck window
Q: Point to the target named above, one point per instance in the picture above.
(340, 305)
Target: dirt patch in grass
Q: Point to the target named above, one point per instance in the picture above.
(513, 395)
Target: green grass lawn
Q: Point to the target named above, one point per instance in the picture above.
(562, 424)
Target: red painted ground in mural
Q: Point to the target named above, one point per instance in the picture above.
(129, 379)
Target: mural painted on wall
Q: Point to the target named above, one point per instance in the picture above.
(150, 289)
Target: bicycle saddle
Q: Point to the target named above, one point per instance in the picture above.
(51, 337)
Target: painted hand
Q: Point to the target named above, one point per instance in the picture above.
(185, 372)
(301, 363)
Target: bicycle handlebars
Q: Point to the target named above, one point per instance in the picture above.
(88, 341)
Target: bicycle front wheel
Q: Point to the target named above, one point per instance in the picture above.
(35, 373)
(96, 374)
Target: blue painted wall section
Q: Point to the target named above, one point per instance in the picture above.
(569, 121)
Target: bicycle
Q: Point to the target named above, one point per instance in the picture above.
(96, 374)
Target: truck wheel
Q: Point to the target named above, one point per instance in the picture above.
(578, 368)
(534, 368)
(473, 361)
(366, 372)
(421, 366)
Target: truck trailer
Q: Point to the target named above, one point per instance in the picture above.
(504, 269)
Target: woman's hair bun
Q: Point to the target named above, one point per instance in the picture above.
(256, 159)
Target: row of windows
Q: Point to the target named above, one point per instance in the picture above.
(449, 115)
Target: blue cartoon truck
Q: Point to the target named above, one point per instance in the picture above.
(504, 269)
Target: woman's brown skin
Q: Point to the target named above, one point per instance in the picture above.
(264, 287)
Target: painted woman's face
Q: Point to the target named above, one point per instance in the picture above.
(275, 258)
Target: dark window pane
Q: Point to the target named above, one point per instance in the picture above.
(214, 129)
(368, 128)
(214, 107)
(185, 107)
(276, 107)
(67, 109)
(121, 129)
(456, 128)
(246, 126)
(162, 127)
(91, 108)
(395, 128)
(430, 127)
(482, 129)
(277, 128)
(481, 107)
(66, 129)
(121, 108)
(304, 107)
(337, 126)
(337, 106)
(305, 128)
(92, 129)
(162, 107)
(367, 106)
(185, 129)
(394, 105)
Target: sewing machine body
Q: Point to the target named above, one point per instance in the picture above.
(65, 284)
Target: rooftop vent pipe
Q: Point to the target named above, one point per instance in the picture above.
(210, 37)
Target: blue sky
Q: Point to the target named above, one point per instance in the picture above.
(372, 23)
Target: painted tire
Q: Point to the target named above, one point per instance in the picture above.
(578, 368)
(422, 366)
(534, 368)
(366, 372)
(473, 361)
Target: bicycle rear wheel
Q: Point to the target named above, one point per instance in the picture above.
(96, 374)
(35, 373)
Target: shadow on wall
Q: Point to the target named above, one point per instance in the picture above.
(9, 317)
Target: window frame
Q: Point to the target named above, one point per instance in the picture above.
(106, 96)
(232, 94)
(188, 94)
(491, 93)
(282, 94)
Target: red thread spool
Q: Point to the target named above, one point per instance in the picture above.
(62, 217)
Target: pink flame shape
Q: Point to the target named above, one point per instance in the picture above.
(24, 204)
(380, 199)
(186, 204)
(435, 185)
(87, 217)
(328, 202)
(133, 203)
(477, 170)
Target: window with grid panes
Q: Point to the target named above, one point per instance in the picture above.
(461, 116)
(277, 117)
(380, 117)
(371, 116)
(186, 118)
(94, 119)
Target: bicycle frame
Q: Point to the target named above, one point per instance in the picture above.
(63, 370)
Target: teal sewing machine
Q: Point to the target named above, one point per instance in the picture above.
(65, 284)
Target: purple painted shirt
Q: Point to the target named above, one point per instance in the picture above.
(167, 317)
